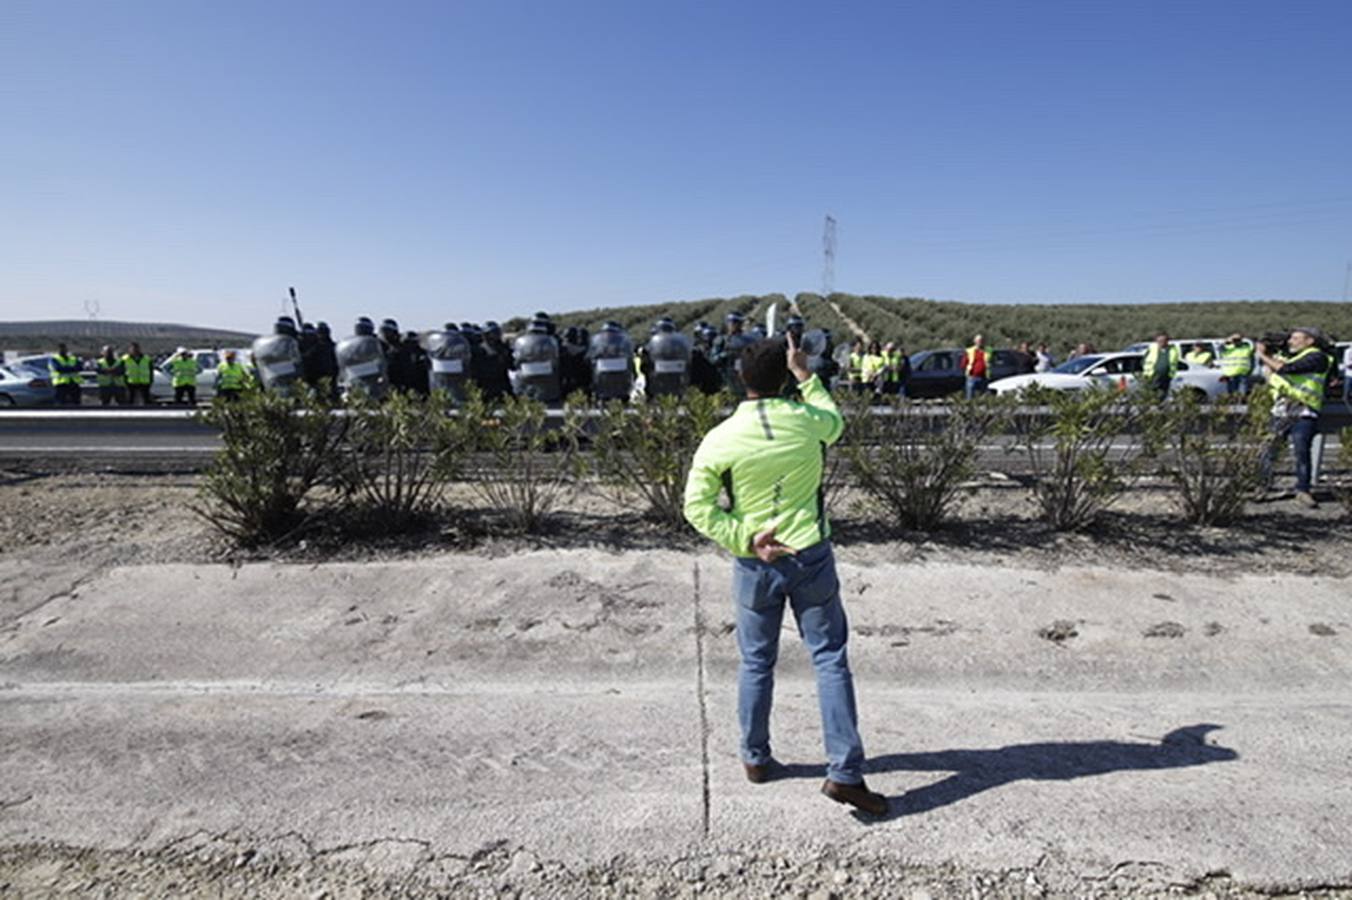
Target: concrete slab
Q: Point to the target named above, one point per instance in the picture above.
(565, 702)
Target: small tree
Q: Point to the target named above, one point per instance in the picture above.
(277, 450)
(645, 450)
(1213, 454)
(525, 457)
(913, 460)
(398, 456)
(1085, 449)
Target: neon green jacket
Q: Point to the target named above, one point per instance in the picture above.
(769, 455)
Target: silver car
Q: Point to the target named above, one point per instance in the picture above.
(25, 386)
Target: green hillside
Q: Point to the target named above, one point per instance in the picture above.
(918, 324)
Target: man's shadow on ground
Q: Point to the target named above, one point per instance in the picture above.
(974, 771)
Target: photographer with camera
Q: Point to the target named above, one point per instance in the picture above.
(1297, 381)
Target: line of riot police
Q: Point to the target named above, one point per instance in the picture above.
(540, 363)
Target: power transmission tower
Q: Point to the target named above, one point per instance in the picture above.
(829, 256)
(92, 307)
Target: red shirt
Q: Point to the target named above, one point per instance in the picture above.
(978, 369)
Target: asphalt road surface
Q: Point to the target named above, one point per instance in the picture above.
(580, 706)
(173, 439)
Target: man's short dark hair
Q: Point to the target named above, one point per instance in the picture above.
(764, 367)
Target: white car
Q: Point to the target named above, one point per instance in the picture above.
(1214, 345)
(1112, 371)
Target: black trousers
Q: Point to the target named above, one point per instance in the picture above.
(138, 390)
(189, 391)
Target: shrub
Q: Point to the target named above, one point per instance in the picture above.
(1214, 455)
(525, 458)
(1071, 438)
(645, 450)
(855, 409)
(398, 456)
(276, 451)
(911, 461)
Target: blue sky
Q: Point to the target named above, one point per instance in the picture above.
(432, 161)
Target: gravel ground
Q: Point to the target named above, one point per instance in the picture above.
(220, 869)
(103, 520)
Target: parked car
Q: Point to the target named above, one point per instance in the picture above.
(938, 373)
(22, 385)
(1186, 344)
(1113, 371)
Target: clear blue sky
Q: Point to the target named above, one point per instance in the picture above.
(189, 160)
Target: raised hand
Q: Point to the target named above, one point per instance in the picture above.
(797, 359)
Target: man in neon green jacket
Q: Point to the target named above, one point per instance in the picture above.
(768, 457)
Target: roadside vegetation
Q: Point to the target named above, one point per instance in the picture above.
(289, 465)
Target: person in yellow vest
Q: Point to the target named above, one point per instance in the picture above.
(977, 363)
(874, 369)
(183, 370)
(895, 369)
(855, 373)
(1199, 356)
(1297, 382)
(1236, 364)
(139, 371)
(232, 378)
(1160, 365)
(112, 378)
(64, 369)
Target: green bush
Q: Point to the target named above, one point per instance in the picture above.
(645, 450)
(277, 451)
(525, 459)
(1213, 454)
(912, 460)
(1085, 449)
(398, 456)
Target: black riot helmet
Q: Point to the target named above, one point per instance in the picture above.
(285, 325)
(450, 326)
(364, 326)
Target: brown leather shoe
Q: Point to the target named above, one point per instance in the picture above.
(757, 774)
(857, 795)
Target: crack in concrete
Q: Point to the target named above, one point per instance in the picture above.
(703, 708)
(16, 622)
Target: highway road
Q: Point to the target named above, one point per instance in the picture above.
(174, 439)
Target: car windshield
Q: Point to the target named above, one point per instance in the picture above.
(1077, 365)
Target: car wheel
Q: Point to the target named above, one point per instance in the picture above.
(7, 402)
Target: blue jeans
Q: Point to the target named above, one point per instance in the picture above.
(808, 582)
(1237, 384)
(975, 386)
(1302, 431)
